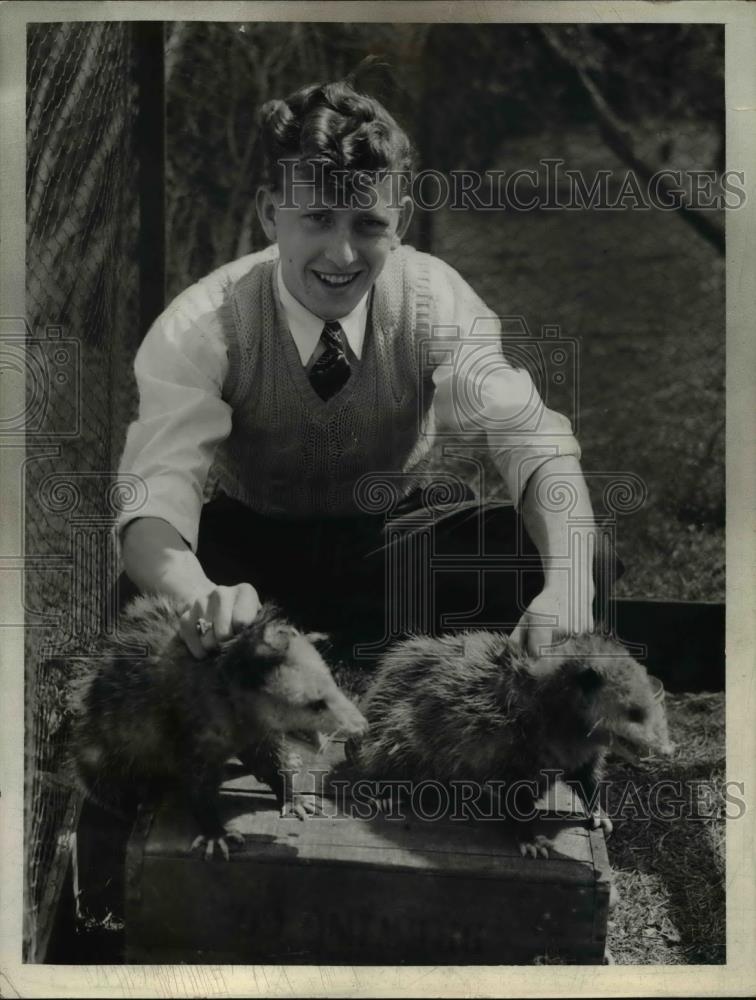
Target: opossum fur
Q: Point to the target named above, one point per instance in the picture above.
(473, 706)
(144, 724)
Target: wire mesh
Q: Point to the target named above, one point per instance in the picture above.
(82, 297)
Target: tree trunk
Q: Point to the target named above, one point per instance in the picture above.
(619, 137)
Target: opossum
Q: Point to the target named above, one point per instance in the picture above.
(147, 724)
(475, 707)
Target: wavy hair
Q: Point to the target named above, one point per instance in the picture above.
(335, 127)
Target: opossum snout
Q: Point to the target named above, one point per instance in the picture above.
(346, 716)
(309, 738)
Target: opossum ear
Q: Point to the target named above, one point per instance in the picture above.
(264, 650)
(317, 637)
(277, 636)
(587, 677)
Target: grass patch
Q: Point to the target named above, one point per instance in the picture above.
(670, 872)
(642, 297)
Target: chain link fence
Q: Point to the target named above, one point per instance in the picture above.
(81, 334)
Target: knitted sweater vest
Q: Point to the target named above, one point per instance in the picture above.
(292, 454)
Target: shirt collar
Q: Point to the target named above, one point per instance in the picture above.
(306, 327)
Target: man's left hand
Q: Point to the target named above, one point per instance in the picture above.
(550, 612)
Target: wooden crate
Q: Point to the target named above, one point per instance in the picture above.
(337, 889)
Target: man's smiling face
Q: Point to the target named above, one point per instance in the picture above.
(332, 244)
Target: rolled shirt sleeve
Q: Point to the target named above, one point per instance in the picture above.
(180, 368)
(478, 390)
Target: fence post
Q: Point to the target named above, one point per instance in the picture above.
(149, 50)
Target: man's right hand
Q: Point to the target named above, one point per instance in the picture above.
(158, 561)
(226, 610)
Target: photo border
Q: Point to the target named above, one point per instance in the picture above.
(738, 976)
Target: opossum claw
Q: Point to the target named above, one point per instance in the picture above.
(292, 809)
(306, 805)
(538, 846)
(210, 844)
(599, 820)
(381, 803)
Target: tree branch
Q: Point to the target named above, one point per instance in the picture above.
(619, 137)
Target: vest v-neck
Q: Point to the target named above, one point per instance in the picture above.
(299, 373)
(290, 453)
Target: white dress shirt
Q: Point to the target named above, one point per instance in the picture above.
(182, 364)
(306, 327)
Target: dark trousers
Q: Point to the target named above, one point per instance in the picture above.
(369, 579)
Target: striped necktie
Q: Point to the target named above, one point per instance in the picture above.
(331, 371)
